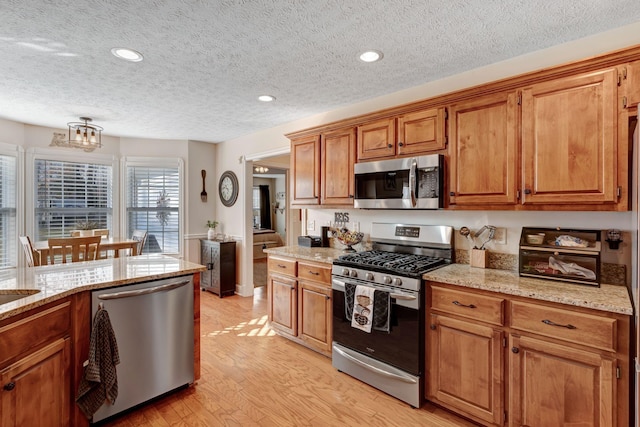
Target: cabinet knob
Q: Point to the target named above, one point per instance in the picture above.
(432, 327)
(515, 350)
(452, 193)
(327, 297)
(401, 144)
(10, 386)
(389, 145)
(527, 191)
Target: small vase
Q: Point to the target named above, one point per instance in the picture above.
(211, 234)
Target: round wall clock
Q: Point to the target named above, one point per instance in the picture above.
(228, 188)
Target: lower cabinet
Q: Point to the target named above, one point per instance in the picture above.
(466, 366)
(36, 388)
(565, 365)
(220, 259)
(299, 302)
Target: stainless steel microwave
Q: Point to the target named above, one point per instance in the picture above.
(406, 183)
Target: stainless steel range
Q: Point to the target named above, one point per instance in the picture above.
(390, 356)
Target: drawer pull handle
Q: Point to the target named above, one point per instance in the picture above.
(10, 386)
(315, 273)
(282, 266)
(568, 325)
(459, 304)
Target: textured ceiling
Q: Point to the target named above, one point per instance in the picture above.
(206, 61)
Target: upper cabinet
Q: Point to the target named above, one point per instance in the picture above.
(408, 134)
(632, 74)
(305, 170)
(569, 140)
(337, 154)
(549, 145)
(483, 150)
(322, 168)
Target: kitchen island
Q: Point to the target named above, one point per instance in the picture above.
(44, 333)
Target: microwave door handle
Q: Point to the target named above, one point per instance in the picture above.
(412, 182)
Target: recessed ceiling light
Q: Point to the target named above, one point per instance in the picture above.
(266, 98)
(371, 56)
(126, 54)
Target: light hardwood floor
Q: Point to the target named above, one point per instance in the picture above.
(252, 377)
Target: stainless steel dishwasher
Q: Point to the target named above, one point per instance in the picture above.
(153, 325)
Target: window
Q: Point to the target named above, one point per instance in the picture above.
(70, 192)
(153, 204)
(8, 227)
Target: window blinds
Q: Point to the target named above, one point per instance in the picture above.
(8, 237)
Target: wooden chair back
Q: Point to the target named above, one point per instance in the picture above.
(141, 237)
(33, 256)
(78, 248)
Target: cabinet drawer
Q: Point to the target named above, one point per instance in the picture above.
(314, 272)
(282, 266)
(478, 307)
(579, 328)
(23, 336)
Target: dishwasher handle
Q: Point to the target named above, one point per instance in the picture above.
(128, 294)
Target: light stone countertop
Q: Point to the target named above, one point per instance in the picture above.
(58, 281)
(611, 298)
(324, 255)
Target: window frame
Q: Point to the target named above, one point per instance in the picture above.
(154, 162)
(16, 151)
(34, 154)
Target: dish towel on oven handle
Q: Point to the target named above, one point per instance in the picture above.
(381, 307)
(363, 308)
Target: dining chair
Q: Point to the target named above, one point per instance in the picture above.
(79, 248)
(141, 237)
(33, 256)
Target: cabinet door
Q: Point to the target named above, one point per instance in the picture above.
(633, 84)
(465, 365)
(338, 154)
(282, 300)
(36, 389)
(421, 131)
(377, 139)
(483, 148)
(305, 167)
(569, 140)
(553, 385)
(314, 315)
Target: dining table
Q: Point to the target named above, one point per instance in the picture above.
(106, 244)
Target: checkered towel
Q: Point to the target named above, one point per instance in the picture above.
(100, 381)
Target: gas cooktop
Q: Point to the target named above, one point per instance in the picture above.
(393, 262)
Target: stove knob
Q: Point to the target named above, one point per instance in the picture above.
(345, 271)
(386, 280)
(396, 282)
(353, 273)
(368, 276)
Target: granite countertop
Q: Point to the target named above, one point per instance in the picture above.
(58, 281)
(325, 255)
(611, 298)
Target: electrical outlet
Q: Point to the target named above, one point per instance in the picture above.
(311, 225)
(500, 236)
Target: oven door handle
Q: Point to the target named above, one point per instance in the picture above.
(339, 285)
(406, 379)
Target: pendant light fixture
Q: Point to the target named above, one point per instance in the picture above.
(81, 135)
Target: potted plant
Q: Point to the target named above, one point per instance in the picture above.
(211, 233)
(86, 227)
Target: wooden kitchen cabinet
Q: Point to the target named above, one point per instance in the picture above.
(36, 388)
(412, 133)
(338, 155)
(569, 140)
(631, 74)
(580, 390)
(465, 357)
(565, 365)
(299, 301)
(35, 367)
(305, 170)
(483, 151)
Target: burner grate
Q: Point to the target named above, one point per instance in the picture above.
(393, 261)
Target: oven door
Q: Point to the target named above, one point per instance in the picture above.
(401, 347)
